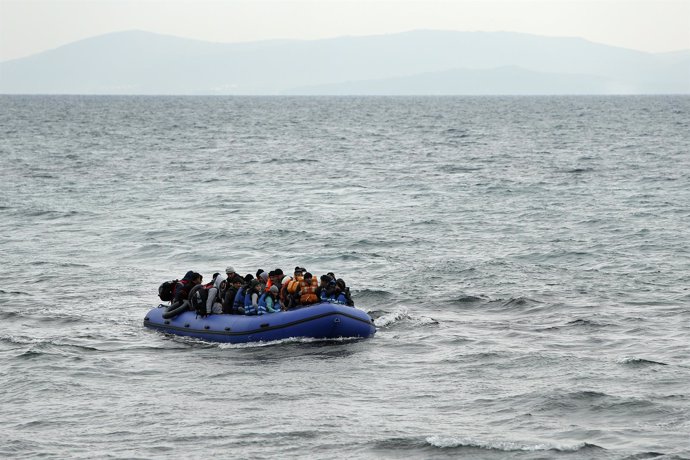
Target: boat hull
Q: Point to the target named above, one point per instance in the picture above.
(320, 321)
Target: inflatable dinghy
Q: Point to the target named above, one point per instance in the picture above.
(320, 321)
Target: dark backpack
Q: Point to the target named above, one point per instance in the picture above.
(197, 299)
(165, 290)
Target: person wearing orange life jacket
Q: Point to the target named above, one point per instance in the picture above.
(283, 294)
(292, 288)
(269, 281)
(274, 279)
(307, 290)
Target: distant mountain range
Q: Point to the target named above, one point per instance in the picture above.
(410, 63)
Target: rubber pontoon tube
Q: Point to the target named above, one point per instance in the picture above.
(176, 311)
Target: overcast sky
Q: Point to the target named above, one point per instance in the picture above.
(31, 26)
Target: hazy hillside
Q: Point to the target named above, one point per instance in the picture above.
(419, 62)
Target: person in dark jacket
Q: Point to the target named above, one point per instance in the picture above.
(234, 284)
(180, 302)
(182, 288)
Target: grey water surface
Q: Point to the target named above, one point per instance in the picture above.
(525, 259)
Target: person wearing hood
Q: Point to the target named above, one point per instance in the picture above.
(263, 279)
(209, 285)
(214, 302)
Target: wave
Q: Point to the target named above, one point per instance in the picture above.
(594, 402)
(470, 299)
(632, 361)
(52, 214)
(645, 455)
(580, 322)
(506, 446)
(577, 170)
(283, 161)
(453, 442)
(2, 291)
(519, 303)
(402, 315)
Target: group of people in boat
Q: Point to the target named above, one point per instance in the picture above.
(263, 293)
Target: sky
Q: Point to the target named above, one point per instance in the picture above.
(31, 26)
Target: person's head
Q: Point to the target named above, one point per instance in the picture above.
(340, 283)
(229, 271)
(332, 275)
(325, 279)
(298, 271)
(307, 276)
(215, 275)
(248, 278)
(278, 272)
(254, 285)
(263, 276)
(274, 290)
(197, 278)
(259, 272)
(236, 281)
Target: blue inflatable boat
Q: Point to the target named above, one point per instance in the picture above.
(320, 321)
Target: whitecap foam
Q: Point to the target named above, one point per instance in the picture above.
(506, 446)
(639, 361)
(402, 314)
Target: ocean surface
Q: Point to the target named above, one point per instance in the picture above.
(526, 261)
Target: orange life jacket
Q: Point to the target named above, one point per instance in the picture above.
(293, 286)
(308, 291)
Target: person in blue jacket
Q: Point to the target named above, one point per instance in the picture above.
(268, 302)
(251, 298)
(342, 293)
(238, 304)
(326, 288)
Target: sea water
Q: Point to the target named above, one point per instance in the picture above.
(525, 259)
